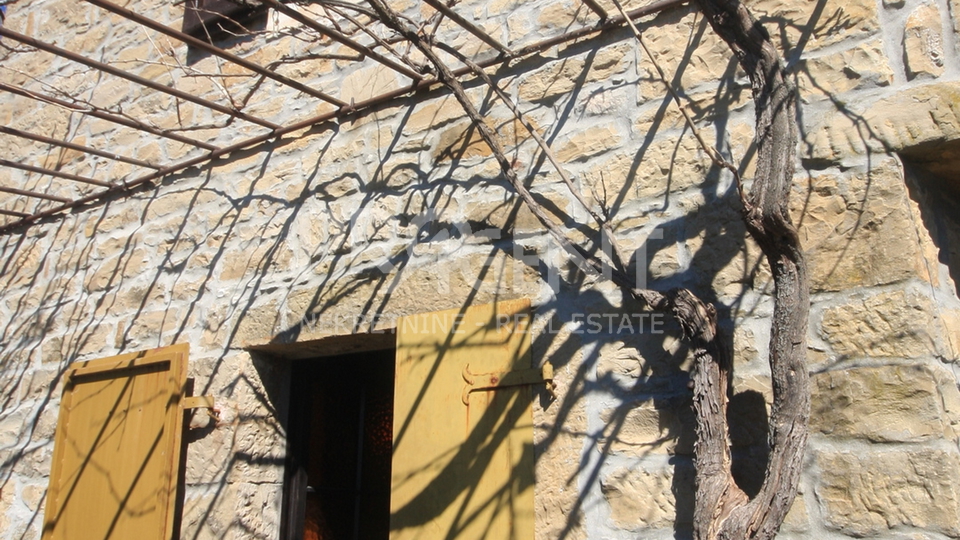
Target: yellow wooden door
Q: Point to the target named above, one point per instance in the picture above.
(117, 448)
(462, 460)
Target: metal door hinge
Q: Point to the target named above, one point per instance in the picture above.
(477, 382)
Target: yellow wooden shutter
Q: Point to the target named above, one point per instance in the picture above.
(117, 448)
(462, 471)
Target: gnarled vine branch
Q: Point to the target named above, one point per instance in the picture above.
(721, 509)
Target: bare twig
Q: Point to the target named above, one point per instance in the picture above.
(653, 299)
(617, 257)
(715, 156)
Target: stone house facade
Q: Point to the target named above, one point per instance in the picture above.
(286, 260)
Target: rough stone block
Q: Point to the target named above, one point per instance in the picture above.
(231, 511)
(368, 82)
(863, 66)
(557, 442)
(655, 499)
(880, 404)
(433, 114)
(708, 58)
(897, 323)
(461, 141)
(589, 143)
(819, 24)
(854, 229)
(562, 14)
(876, 491)
(650, 428)
(918, 116)
(668, 165)
(923, 53)
(564, 75)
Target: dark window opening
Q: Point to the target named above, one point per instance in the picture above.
(933, 179)
(211, 20)
(340, 442)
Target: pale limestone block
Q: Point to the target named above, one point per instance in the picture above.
(564, 75)
(641, 499)
(259, 323)
(557, 79)
(879, 490)
(854, 229)
(39, 383)
(519, 28)
(231, 511)
(563, 14)
(838, 22)
(558, 426)
(923, 43)
(461, 141)
(589, 142)
(880, 404)
(955, 15)
(863, 66)
(25, 267)
(922, 115)
(708, 61)
(665, 428)
(611, 8)
(8, 500)
(150, 329)
(511, 214)
(888, 324)
(104, 276)
(500, 7)
(488, 276)
(669, 165)
(798, 517)
(719, 249)
(434, 113)
(32, 496)
(177, 204)
(398, 172)
(368, 82)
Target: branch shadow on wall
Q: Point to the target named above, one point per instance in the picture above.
(643, 377)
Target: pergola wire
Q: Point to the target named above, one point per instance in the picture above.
(345, 109)
(73, 146)
(107, 68)
(105, 115)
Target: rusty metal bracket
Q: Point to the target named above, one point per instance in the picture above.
(477, 382)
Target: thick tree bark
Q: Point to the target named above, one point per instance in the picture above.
(721, 510)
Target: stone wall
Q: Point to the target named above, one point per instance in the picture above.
(381, 216)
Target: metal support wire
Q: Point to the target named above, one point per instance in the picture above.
(376, 101)
(103, 115)
(106, 68)
(204, 46)
(341, 38)
(74, 146)
(50, 172)
(34, 194)
(13, 213)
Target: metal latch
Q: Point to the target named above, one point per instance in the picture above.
(202, 402)
(477, 382)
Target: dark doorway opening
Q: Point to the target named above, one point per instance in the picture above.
(337, 484)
